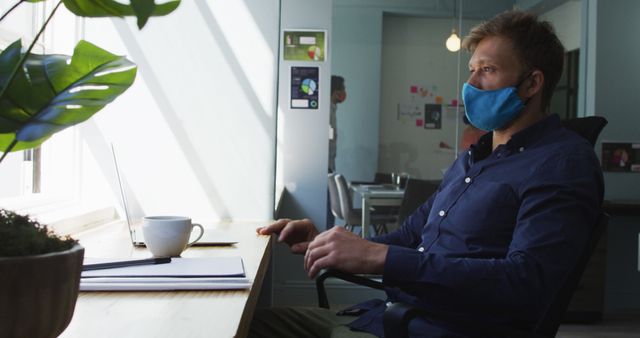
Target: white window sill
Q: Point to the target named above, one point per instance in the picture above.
(63, 216)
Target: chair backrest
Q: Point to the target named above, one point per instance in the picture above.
(344, 196)
(548, 325)
(334, 197)
(588, 127)
(415, 194)
(382, 178)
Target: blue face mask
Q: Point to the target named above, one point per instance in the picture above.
(491, 109)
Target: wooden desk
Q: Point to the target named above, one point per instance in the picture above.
(224, 313)
(376, 195)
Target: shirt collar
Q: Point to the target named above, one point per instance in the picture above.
(528, 136)
(519, 141)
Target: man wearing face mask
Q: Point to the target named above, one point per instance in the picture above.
(506, 225)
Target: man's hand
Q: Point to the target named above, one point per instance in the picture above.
(346, 251)
(296, 233)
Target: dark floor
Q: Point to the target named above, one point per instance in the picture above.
(612, 326)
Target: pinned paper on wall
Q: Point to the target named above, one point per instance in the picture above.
(419, 122)
(304, 87)
(621, 156)
(432, 116)
(408, 112)
(428, 92)
(451, 112)
(304, 45)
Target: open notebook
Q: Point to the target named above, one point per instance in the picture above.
(201, 273)
(210, 237)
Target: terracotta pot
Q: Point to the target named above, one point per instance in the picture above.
(38, 293)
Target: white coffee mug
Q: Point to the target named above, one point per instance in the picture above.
(168, 236)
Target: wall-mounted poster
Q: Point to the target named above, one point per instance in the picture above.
(304, 45)
(621, 157)
(304, 87)
(432, 116)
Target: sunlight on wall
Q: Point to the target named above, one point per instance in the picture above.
(195, 134)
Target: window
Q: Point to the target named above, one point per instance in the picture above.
(47, 182)
(565, 97)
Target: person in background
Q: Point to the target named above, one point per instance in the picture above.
(470, 134)
(338, 95)
(504, 229)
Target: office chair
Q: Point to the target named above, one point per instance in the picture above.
(588, 127)
(351, 216)
(379, 178)
(398, 315)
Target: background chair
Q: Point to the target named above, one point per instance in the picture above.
(415, 194)
(398, 315)
(352, 217)
(334, 198)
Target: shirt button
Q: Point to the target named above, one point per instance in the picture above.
(467, 180)
(521, 149)
(388, 304)
(421, 249)
(442, 213)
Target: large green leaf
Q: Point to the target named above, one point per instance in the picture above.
(142, 9)
(53, 92)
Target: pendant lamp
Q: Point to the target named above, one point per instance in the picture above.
(453, 42)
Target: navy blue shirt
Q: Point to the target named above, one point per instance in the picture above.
(501, 233)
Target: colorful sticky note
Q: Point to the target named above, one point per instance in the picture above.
(454, 102)
(414, 89)
(438, 99)
(419, 123)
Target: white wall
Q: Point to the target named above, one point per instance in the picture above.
(303, 133)
(302, 151)
(413, 54)
(195, 134)
(567, 21)
(357, 57)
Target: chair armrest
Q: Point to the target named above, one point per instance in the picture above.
(396, 319)
(397, 316)
(323, 300)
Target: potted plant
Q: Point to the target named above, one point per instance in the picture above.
(40, 278)
(39, 96)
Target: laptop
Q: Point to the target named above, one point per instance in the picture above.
(211, 237)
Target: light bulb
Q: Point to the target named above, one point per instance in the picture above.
(453, 42)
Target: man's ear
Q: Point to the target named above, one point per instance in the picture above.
(534, 84)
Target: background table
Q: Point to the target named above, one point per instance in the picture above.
(376, 195)
(217, 313)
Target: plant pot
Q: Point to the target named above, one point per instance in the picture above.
(38, 293)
